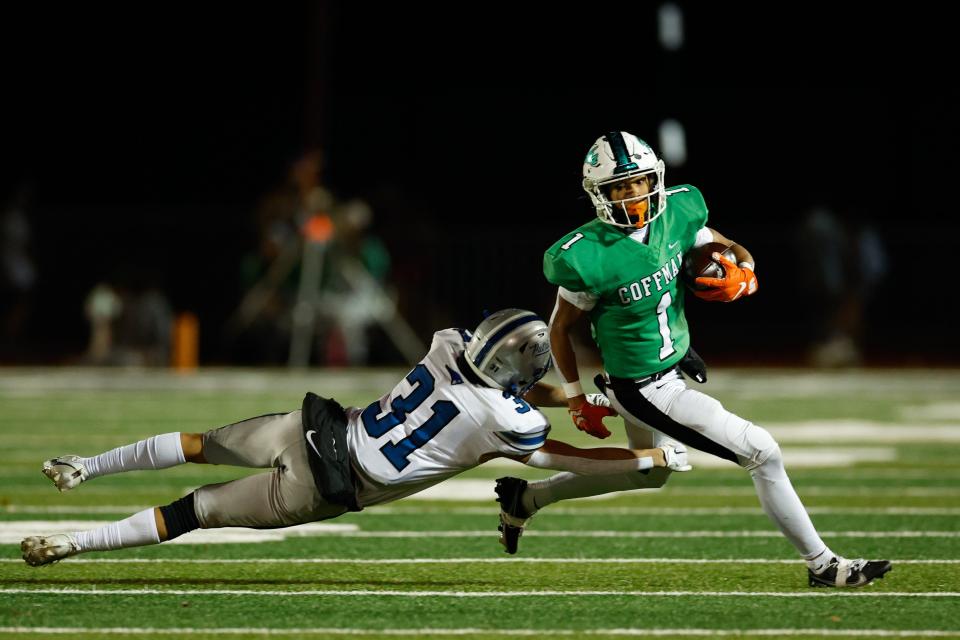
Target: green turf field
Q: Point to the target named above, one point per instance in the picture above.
(874, 455)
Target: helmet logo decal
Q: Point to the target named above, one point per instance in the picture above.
(619, 147)
(593, 157)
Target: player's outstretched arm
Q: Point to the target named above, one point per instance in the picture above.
(587, 417)
(561, 456)
(548, 395)
(545, 395)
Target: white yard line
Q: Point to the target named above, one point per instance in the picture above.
(512, 560)
(658, 632)
(852, 431)
(13, 531)
(487, 594)
(814, 593)
(643, 534)
(669, 511)
(797, 457)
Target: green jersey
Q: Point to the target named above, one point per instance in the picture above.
(638, 320)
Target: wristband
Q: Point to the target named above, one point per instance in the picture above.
(572, 389)
(645, 463)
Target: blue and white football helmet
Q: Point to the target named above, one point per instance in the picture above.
(510, 350)
(617, 156)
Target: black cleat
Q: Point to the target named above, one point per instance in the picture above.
(849, 573)
(512, 514)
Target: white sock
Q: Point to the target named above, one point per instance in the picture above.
(820, 561)
(137, 530)
(782, 504)
(156, 452)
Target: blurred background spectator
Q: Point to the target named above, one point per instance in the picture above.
(846, 262)
(130, 324)
(18, 274)
(318, 286)
(260, 329)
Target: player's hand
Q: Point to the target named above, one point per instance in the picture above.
(600, 400)
(738, 282)
(675, 457)
(589, 417)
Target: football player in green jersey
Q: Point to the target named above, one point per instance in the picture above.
(621, 272)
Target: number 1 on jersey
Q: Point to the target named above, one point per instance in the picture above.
(667, 349)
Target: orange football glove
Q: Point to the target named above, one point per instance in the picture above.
(737, 282)
(589, 418)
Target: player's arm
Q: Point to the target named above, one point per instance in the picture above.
(548, 395)
(545, 395)
(586, 416)
(739, 280)
(561, 456)
(565, 318)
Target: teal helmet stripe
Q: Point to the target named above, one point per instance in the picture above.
(619, 147)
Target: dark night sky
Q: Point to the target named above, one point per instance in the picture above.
(148, 147)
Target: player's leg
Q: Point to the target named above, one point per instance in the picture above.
(156, 452)
(248, 443)
(256, 442)
(701, 421)
(520, 499)
(283, 497)
(245, 443)
(288, 495)
(265, 500)
(568, 486)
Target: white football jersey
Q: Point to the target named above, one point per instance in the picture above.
(435, 424)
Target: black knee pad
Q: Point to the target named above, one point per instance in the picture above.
(180, 517)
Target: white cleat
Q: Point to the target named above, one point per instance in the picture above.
(66, 471)
(41, 550)
(849, 573)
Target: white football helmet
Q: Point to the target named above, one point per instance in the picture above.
(618, 156)
(510, 350)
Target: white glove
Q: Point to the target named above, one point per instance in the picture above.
(598, 399)
(676, 456)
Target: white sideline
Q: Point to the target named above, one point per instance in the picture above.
(511, 560)
(813, 593)
(871, 633)
(644, 534)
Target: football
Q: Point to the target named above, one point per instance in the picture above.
(699, 263)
